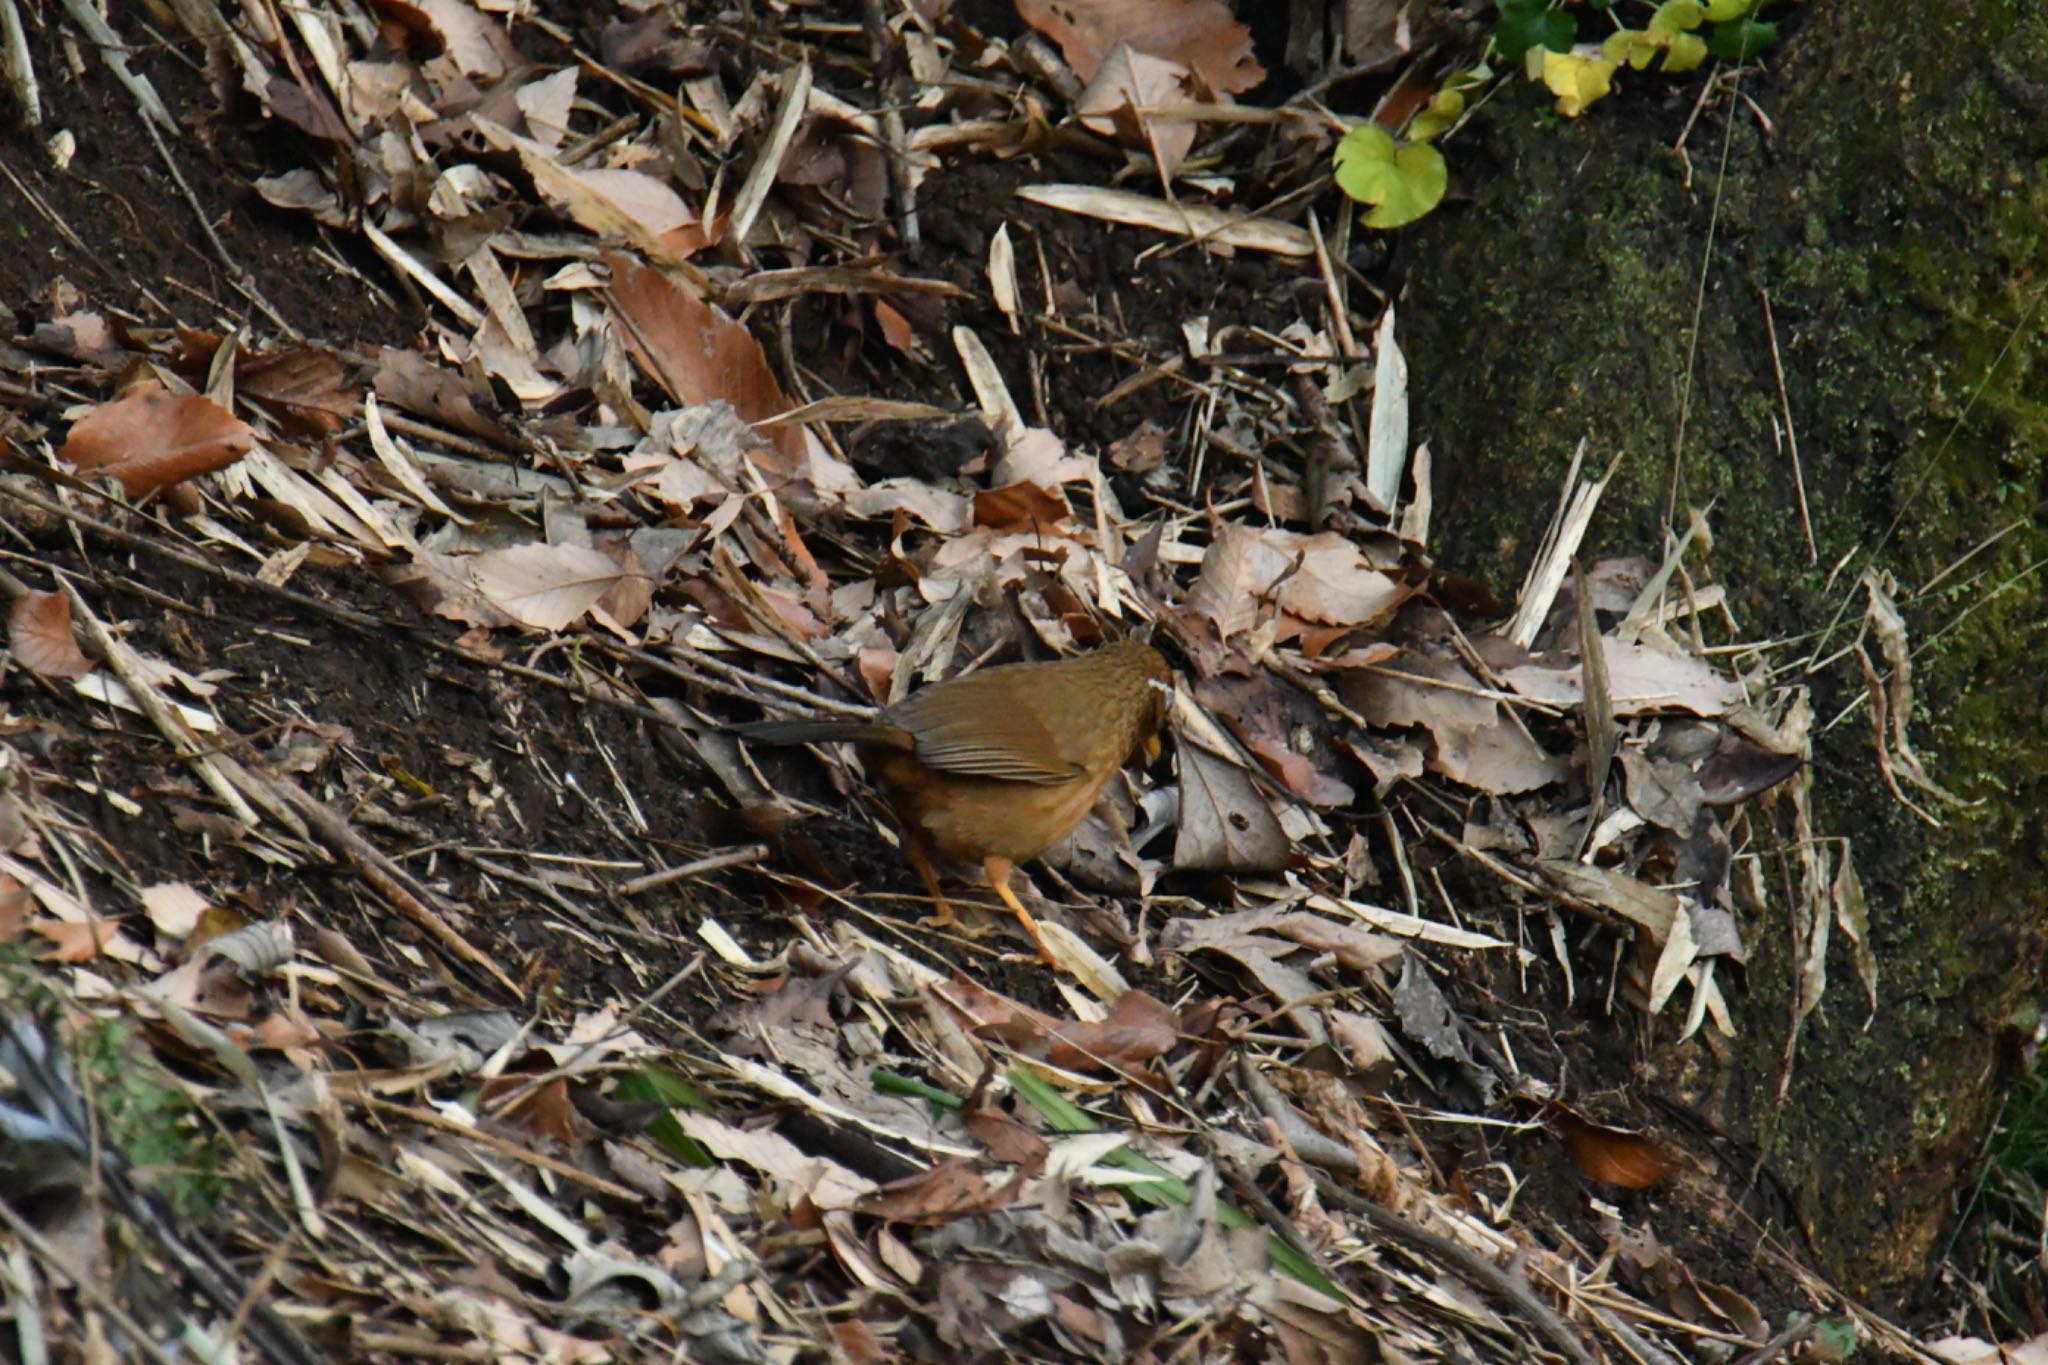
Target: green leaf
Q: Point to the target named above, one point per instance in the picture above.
(1686, 52)
(1630, 45)
(1721, 11)
(1533, 23)
(1742, 39)
(1675, 17)
(1402, 183)
(655, 1085)
(1840, 1335)
(890, 1083)
(1576, 81)
(1437, 117)
(658, 1085)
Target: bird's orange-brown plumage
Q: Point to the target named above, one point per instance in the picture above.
(1002, 764)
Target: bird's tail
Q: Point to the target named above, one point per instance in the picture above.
(817, 732)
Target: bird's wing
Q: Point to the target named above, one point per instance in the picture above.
(984, 732)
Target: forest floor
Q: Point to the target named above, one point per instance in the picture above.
(407, 962)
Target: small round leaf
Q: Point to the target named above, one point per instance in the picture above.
(1401, 183)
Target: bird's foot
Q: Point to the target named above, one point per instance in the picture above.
(946, 919)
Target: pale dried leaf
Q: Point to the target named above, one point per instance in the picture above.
(1198, 34)
(1212, 226)
(1386, 452)
(1641, 679)
(546, 587)
(1474, 742)
(39, 636)
(173, 908)
(1225, 824)
(1129, 81)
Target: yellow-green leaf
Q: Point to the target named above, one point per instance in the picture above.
(1630, 45)
(1720, 11)
(1400, 182)
(1677, 16)
(1436, 118)
(1577, 80)
(1686, 52)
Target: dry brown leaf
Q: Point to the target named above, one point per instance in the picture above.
(1282, 726)
(1361, 1039)
(174, 908)
(949, 1190)
(1019, 506)
(698, 354)
(545, 1111)
(17, 903)
(39, 636)
(74, 942)
(948, 513)
(1226, 589)
(1007, 1140)
(1474, 743)
(1740, 768)
(1142, 451)
(307, 384)
(442, 584)
(1138, 1028)
(408, 380)
(1640, 679)
(1610, 1155)
(1225, 824)
(1323, 579)
(1199, 34)
(895, 328)
(150, 438)
(1129, 81)
(477, 44)
(859, 1342)
(637, 195)
(654, 45)
(628, 599)
(546, 587)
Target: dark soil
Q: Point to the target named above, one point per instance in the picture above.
(119, 227)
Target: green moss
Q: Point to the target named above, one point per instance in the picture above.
(1898, 225)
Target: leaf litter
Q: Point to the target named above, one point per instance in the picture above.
(530, 1016)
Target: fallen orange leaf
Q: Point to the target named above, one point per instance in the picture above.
(150, 438)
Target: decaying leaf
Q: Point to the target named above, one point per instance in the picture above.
(150, 438)
(1640, 680)
(39, 636)
(1320, 580)
(1475, 743)
(1137, 1029)
(697, 353)
(1199, 34)
(1129, 81)
(1225, 824)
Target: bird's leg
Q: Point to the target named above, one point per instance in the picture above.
(942, 916)
(999, 870)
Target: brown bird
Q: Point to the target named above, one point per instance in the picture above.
(1000, 765)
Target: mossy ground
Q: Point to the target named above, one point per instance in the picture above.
(1894, 217)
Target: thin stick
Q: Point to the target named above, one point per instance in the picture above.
(736, 857)
(1791, 435)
